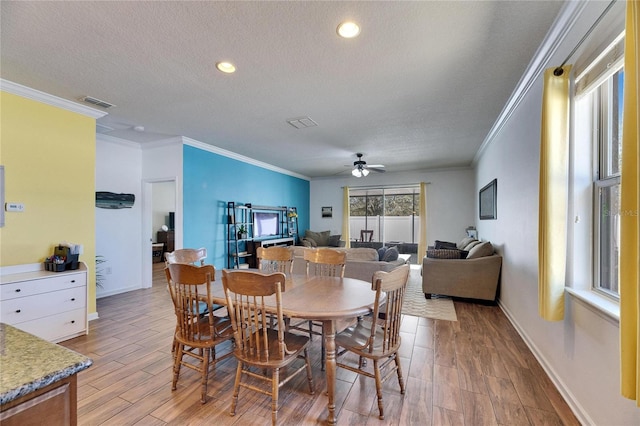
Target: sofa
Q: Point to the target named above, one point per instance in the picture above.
(321, 239)
(469, 269)
(361, 263)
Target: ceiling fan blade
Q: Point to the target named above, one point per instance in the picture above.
(375, 166)
(376, 169)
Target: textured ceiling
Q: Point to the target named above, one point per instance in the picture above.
(420, 87)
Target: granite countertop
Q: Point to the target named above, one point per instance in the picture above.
(29, 363)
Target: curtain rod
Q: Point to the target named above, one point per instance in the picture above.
(559, 71)
(399, 185)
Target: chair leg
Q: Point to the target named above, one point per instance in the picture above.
(177, 361)
(376, 369)
(323, 353)
(275, 386)
(399, 371)
(309, 374)
(205, 375)
(236, 390)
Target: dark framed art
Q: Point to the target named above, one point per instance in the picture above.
(488, 200)
(327, 212)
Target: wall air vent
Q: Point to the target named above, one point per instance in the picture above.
(302, 122)
(97, 102)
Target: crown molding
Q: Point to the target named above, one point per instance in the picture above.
(214, 149)
(45, 98)
(564, 22)
(100, 137)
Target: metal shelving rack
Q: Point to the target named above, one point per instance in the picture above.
(237, 216)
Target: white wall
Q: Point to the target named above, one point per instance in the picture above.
(118, 169)
(450, 200)
(164, 201)
(581, 353)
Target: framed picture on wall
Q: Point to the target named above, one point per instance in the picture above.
(327, 212)
(488, 200)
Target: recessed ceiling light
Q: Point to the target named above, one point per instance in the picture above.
(348, 29)
(226, 67)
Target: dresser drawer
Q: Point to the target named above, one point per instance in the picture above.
(20, 309)
(57, 327)
(42, 285)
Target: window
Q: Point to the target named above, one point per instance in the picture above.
(599, 93)
(608, 119)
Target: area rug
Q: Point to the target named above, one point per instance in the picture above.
(415, 304)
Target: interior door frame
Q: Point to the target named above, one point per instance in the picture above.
(147, 221)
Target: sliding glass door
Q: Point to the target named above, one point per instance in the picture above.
(391, 213)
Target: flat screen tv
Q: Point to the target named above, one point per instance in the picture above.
(266, 224)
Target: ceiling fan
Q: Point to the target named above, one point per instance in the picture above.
(361, 169)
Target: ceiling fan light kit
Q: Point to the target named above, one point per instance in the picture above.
(360, 168)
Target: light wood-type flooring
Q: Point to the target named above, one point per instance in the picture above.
(475, 371)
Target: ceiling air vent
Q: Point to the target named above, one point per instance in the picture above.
(97, 102)
(302, 122)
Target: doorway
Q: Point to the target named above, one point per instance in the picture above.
(158, 222)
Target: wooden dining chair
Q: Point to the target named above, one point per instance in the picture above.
(198, 331)
(378, 340)
(187, 255)
(321, 262)
(366, 235)
(191, 257)
(325, 262)
(275, 259)
(258, 346)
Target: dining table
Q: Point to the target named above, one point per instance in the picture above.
(325, 299)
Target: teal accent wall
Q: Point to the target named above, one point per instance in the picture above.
(211, 180)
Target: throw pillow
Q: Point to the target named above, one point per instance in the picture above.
(382, 251)
(390, 255)
(445, 245)
(443, 254)
(334, 240)
(465, 241)
(321, 238)
(309, 242)
(471, 245)
(481, 250)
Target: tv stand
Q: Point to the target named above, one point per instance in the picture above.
(252, 247)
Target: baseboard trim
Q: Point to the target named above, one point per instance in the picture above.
(568, 396)
(93, 316)
(115, 291)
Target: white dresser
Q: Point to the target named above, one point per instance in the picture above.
(50, 305)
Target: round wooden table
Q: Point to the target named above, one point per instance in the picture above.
(325, 299)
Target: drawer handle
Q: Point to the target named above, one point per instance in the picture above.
(17, 311)
(73, 281)
(17, 290)
(73, 299)
(73, 321)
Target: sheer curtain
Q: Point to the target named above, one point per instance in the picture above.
(554, 192)
(422, 241)
(346, 232)
(630, 215)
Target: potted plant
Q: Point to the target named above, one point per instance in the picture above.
(242, 232)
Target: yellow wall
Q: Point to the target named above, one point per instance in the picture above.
(49, 158)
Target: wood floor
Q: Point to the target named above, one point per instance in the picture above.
(475, 371)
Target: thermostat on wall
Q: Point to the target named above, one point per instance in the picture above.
(14, 207)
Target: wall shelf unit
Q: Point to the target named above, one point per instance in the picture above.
(250, 227)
